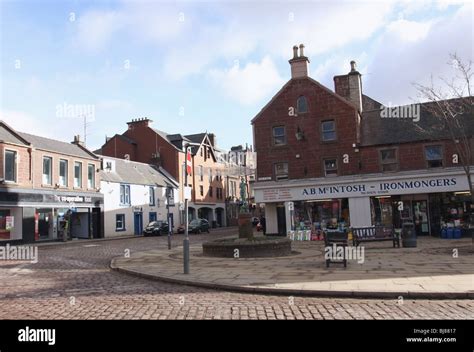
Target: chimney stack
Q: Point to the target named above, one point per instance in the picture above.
(350, 86)
(299, 63)
(139, 122)
(77, 140)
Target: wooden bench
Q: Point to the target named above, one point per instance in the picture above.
(337, 239)
(375, 234)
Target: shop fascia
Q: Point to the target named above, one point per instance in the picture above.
(72, 199)
(377, 187)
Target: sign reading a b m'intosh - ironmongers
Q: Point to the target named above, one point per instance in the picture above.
(361, 189)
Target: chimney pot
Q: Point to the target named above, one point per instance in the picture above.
(301, 50)
(295, 52)
(353, 66)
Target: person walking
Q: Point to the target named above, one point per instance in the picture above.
(263, 224)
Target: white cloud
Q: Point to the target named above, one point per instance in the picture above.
(96, 28)
(24, 122)
(409, 31)
(249, 84)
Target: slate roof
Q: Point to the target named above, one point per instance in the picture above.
(378, 130)
(7, 134)
(56, 146)
(137, 173)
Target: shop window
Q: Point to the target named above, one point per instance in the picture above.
(152, 196)
(328, 129)
(330, 167)
(125, 194)
(63, 172)
(388, 159)
(90, 176)
(201, 190)
(434, 155)
(120, 222)
(10, 166)
(47, 170)
(279, 135)
(281, 171)
(301, 105)
(4, 224)
(78, 174)
(321, 215)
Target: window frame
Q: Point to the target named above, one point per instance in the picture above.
(275, 177)
(285, 141)
(66, 170)
(322, 131)
(298, 105)
(15, 166)
(396, 162)
(124, 201)
(151, 196)
(78, 163)
(93, 176)
(123, 228)
(50, 183)
(443, 163)
(326, 170)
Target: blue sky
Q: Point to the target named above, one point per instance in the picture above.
(195, 66)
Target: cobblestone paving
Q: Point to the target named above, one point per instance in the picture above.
(74, 281)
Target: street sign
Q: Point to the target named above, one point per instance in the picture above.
(187, 193)
(170, 197)
(188, 161)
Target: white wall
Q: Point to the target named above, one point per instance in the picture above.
(271, 221)
(139, 198)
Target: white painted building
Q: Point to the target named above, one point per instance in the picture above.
(135, 194)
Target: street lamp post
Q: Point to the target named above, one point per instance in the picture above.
(170, 228)
(186, 229)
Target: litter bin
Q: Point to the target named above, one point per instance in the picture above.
(408, 235)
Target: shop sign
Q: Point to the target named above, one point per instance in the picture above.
(73, 199)
(365, 189)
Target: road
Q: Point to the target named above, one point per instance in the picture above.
(73, 281)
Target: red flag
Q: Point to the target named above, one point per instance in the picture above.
(188, 162)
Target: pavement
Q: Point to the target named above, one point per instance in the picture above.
(435, 269)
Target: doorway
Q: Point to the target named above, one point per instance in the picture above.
(138, 223)
(281, 220)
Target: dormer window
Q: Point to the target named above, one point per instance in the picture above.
(301, 105)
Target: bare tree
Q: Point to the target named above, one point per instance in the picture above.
(450, 106)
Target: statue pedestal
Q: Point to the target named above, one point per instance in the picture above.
(245, 225)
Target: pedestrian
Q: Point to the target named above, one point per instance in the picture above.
(263, 224)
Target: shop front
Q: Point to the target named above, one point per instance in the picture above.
(30, 216)
(432, 201)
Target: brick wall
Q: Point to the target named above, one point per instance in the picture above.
(23, 164)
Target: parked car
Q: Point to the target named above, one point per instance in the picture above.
(196, 226)
(156, 228)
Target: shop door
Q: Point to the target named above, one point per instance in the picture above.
(281, 220)
(138, 223)
(96, 225)
(420, 217)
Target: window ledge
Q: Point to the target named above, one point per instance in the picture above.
(47, 186)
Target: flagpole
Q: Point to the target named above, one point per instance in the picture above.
(186, 229)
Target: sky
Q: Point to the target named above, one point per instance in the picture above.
(197, 66)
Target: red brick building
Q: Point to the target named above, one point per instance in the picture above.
(341, 158)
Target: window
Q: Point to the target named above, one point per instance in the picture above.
(47, 177)
(77, 174)
(301, 105)
(434, 155)
(63, 168)
(210, 175)
(120, 222)
(210, 191)
(90, 176)
(281, 171)
(328, 129)
(388, 159)
(330, 167)
(10, 165)
(201, 172)
(279, 135)
(201, 190)
(152, 196)
(125, 194)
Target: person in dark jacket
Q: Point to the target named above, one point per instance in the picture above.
(263, 224)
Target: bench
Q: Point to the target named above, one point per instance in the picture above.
(335, 239)
(375, 234)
